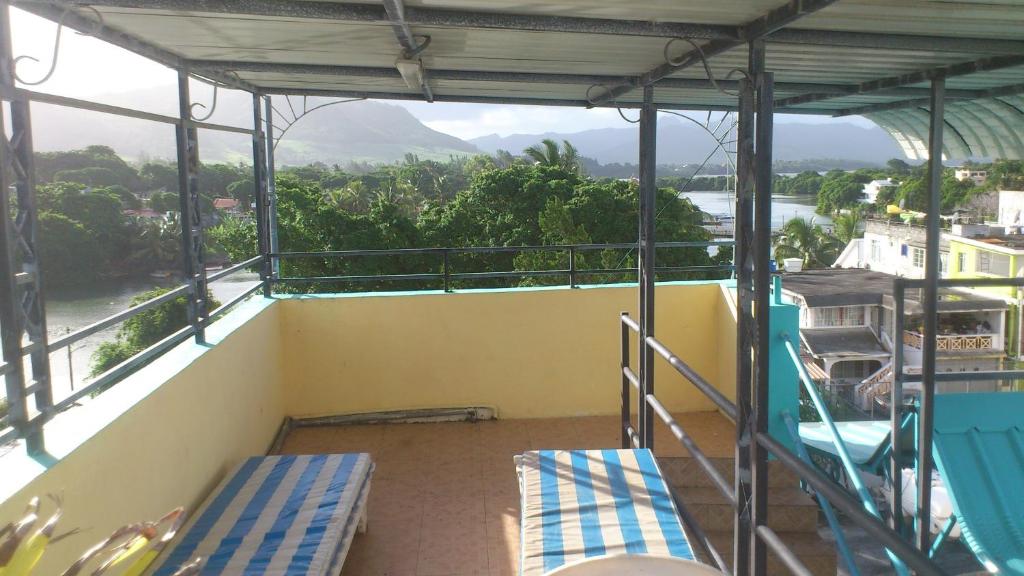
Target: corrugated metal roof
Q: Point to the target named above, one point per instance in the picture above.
(844, 44)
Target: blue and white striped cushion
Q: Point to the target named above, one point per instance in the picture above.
(276, 515)
(584, 503)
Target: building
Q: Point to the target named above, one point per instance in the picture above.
(229, 205)
(1011, 206)
(977, 176)
(847, 324)
(871, 189)
(891, 247)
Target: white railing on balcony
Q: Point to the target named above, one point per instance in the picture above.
(953, 342)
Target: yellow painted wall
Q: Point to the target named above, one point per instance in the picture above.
(970, 262)
(528, 353)
(725, 314)
(172, 446)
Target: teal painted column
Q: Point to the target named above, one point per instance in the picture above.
(784, 381)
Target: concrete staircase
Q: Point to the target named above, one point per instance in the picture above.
(791, 512)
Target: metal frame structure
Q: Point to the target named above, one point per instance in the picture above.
(21, 287)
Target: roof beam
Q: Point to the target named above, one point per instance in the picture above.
(519, 101)
(531, 77)
(961, 69)
(918, 102)
(411, 46)
(770, 22)
(420, 16)
(90, 27)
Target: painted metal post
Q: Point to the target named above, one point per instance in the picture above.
(188, 198)
(27, 309)
(275, 262)
(572, 266)
(648, 192)
(259, 174)
(762, 298)
(626, 417)
(929, 305)
(896, 404)
(743, 258)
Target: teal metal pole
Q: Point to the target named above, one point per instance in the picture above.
(826, 507)
(851, 469)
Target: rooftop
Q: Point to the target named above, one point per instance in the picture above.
(843, 343)
(859, 287)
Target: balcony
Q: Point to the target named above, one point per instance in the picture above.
(954, 342)
(545, 361)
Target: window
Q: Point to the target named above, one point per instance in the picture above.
(917, 257)
(992, 263)
(961, 262)
(839, 316)
(876, 251)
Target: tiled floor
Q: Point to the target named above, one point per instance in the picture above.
(444, 499)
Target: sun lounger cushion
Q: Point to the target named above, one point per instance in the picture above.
(585, 503)
(277, 515)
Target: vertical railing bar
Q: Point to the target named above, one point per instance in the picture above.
(268, 122)
(446, 270)
(762, 297)
(572, 266)
(648, 191)
(626, 417)
(930, 312)
(259, 168)
(187, 166)
(744, 322)
(896, 406)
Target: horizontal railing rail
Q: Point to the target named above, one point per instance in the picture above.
(113, 375)
(828, 492)
(446, 273)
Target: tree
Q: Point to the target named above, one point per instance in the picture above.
(548, 154)
(846, 226)
(67, 252)
(839, 190)
(144, 329)
(159, 175)
(800, 238)
(899, 166)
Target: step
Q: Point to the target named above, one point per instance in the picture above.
(685, 471)
(818, 555)
(789, 509)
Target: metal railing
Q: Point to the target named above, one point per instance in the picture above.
(825, 488)
(442, 272)
(952, 342)
(19, 421)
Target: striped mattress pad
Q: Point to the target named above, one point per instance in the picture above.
(276, 515)
(580, 504)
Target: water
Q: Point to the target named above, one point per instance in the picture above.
(70, 310)
(784, 208)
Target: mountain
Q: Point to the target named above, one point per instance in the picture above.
(686, 143)
(358, 131)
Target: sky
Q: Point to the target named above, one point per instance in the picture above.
(92, 69)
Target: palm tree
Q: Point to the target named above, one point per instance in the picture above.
(549, 154)
(846, 226)
(801, 238)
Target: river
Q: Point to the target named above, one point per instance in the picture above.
(71, 309)
(723, 203)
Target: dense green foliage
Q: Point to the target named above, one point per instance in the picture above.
(143, 330)
(800, 238)
(545, 203)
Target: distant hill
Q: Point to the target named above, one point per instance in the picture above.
(361, 131)
(683, 143)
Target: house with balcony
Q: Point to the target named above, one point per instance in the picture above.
(847, 325)
(891, 247)
(965, 173)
